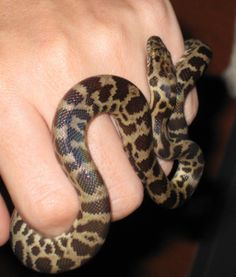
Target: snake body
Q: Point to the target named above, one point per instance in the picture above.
(148, 131)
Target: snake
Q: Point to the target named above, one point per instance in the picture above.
(148, 130)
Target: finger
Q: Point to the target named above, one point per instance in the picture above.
(125, 188)
(5, 221)
(35, 181)
(191, 106)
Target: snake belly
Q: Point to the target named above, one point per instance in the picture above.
(147, 130)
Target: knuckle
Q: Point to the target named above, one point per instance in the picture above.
(112, 29)
(51, 212)
(110, 37)
(152, 8)
(53, 46)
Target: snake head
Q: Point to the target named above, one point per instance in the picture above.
(159, 58)
(159, 61)
(156, 49)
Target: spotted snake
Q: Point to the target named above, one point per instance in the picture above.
(148, 130)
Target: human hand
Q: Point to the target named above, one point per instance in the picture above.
(46, 47)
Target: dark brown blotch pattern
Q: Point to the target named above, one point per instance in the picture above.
(43, 265)
(65, 264)
(118, 89)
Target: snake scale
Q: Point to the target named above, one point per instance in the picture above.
(148, 130)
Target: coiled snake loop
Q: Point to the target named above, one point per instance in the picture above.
(148, 131)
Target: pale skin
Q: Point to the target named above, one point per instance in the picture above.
(45, 48)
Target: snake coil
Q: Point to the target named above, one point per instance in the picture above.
(148, 131)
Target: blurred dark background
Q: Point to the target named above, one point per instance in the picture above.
(179, 243)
